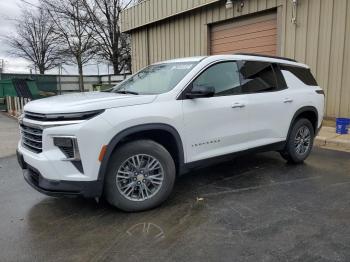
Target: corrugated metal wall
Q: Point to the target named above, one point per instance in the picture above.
(321, 38)
(150, 11)
(185, 34)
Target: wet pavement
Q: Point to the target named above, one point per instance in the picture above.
(255, 208)
(9, 135)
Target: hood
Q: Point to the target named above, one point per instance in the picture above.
(89, 101)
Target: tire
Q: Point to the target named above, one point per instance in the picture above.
(130, 170)
(297, 149)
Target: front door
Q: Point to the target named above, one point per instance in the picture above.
(216, 125)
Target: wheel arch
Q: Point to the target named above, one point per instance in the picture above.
(139, 131)
(308, 112)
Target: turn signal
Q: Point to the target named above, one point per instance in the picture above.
(102, 153)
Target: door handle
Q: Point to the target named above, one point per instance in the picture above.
(238, 105)
(288, 100)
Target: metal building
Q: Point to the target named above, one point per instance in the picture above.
(316, 32)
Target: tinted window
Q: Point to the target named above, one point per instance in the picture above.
(304, 74)
(223, 77)
(281, 82)
(257, 77)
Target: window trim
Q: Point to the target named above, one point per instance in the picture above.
(278, 65)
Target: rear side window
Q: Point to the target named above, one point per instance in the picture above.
(304, 74)
(259, 77)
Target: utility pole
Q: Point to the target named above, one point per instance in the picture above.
(1, 67)
(109, 76)
(59, 79)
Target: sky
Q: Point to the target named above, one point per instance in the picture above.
(11, 9)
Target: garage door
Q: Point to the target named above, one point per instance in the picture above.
(256, 34)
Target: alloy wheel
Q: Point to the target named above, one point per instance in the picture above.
(302, 140)
(140, 177)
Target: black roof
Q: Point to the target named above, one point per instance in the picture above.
(269, 56)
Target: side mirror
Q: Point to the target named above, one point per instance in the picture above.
(200, 92)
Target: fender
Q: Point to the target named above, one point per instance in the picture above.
(135, 129)
(300, 111)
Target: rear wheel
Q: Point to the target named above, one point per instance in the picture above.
(300, 141)
(140, 176)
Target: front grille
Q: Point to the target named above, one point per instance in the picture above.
(32, 138)
(62, 117)
(34, 116)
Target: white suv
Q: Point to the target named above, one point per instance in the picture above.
(130, 143)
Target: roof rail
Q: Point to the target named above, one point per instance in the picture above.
(269, 56)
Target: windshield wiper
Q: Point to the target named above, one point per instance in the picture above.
(126, 92)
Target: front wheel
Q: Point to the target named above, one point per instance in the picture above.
(140, 176)
(300, 142)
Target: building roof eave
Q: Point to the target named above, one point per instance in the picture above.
(139, 15)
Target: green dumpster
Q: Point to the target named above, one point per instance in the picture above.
(19, 88)
(34, 89)
(7, 88)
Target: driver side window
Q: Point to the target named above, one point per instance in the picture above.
(223, 77)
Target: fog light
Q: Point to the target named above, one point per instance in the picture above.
(68, 146)
(63, 141)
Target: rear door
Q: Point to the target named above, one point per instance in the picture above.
(270, 103)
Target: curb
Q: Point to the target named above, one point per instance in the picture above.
(332, 140)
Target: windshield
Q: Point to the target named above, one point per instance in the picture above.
(155, 79)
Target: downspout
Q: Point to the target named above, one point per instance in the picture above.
(148, 59)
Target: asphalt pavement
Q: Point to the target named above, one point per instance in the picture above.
(254, 208)
(9, 135)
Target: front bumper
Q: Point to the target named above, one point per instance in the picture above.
(88, 189)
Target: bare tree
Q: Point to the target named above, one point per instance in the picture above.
(113, 45)
(35, 39)
(135, 2)
(72, 26)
